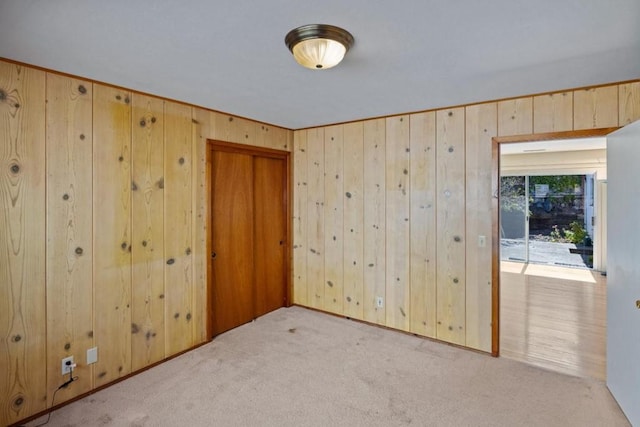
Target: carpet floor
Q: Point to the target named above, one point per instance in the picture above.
(297, 367)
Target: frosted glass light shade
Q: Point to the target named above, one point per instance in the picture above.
(318, 46)
(319, 53)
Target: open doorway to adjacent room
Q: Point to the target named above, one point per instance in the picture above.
(553, 254)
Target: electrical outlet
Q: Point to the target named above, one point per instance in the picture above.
(66, 364)
(482, 241)
(92, 355)
(379, 302)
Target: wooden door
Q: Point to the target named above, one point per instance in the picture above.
(623, 270)
(233, 296)
(249, 234)
(270, 233)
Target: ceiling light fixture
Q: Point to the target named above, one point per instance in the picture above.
(318, 46)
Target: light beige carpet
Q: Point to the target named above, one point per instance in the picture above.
(296, 367)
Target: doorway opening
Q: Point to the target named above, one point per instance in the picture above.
(550, 251)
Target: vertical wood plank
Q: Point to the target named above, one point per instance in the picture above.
(397, 222)
(450, 201)
(315, 215)
(112, 232)
(553, 112)
(481, 122)
(147, 233)
(202, 130)
(178, 269)
(234, 129)
(272, 137)
(70, 232)
(515, 117)
(629, 103)
(374, 220)
(22, 236)
(423, 223)
(353, 220)
(300, 220)
(595, 108)
(333, 219)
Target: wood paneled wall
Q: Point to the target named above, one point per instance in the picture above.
(400, 208)
(102, 229)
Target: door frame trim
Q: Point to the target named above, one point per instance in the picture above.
(229, 147)
(496, 141)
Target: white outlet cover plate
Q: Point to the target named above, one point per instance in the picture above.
(92, 355)
(66, 368)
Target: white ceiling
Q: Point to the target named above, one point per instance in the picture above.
(548, 146)
(229, 55)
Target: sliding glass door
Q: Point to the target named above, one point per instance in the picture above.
(547, 219)
(513, 218)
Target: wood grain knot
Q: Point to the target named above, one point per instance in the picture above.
(134, 328)
(348, 299)
(181, 160)
(82, 89)
(118, 97)
(65, 197)
(79, 250)
(67, 346)
(90, 334)
(102, 374)
(170, 261)
(450, 113)
(144, 243)
(127, 100)
(160, 183)
(451, 149)
(16, 338)
(187, 251)
(161, 296)
(175, 316)
(3, 95)
(134, 186)
(123, 245)
(194, 121)
(457, 239)
(16, 105)
(230, 119)
(15, 168)
(143, 123)
(455, 280)
(188, 316)
(153, 119)
(348, 195)
(82, 137)
(120, 159)
(18, 401)
(330, 283)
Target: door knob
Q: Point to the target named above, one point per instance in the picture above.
(213, 255)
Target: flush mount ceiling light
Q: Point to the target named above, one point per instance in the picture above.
(318, 46)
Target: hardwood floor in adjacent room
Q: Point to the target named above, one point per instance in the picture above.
(554, 317)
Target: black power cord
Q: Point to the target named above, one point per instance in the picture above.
(53, 398)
